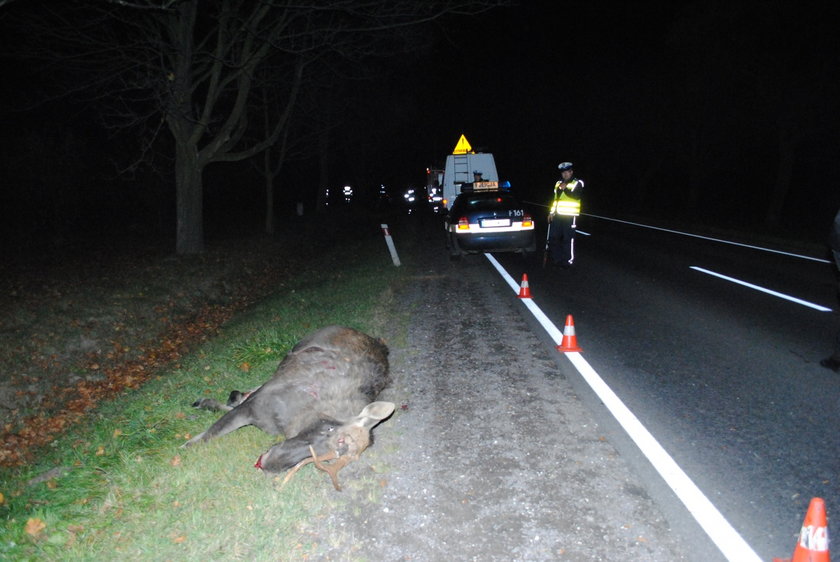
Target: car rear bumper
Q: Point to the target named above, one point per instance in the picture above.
(496, 241)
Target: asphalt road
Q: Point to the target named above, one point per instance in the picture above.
(726, 377)
(491, 454)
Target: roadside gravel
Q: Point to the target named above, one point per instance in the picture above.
(491, 455)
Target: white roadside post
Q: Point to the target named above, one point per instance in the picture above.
(390, 242)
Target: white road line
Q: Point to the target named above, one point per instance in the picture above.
(762, 289)
(719, 530)
(821, 260)
(801, 256)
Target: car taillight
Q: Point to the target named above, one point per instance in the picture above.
(527, 221)
(463, 224)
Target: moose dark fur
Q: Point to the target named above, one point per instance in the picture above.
(328, 377)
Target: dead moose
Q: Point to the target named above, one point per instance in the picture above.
(320, 397)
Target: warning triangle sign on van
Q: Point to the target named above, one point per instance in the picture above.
(463, 146)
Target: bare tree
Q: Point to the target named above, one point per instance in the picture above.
(270, 163)
(192, 67)
(307, 126)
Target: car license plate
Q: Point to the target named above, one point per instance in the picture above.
(495, 222)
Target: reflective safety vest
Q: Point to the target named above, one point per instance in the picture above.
(564, 204)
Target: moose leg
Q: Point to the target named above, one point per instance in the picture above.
(231, 421)
(234, 399)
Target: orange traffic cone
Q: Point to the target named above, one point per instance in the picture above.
(569, 342)
(524, 289)
(813, 538)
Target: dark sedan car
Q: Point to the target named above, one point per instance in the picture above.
(488, 221)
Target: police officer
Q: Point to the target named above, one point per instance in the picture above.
(564, 212)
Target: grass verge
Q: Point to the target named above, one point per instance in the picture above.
(119, 486)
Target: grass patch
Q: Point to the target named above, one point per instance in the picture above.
(119, 486)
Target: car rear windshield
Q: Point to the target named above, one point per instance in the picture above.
(489, 201)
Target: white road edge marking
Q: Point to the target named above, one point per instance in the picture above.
(720, 531)
(791, 254)
(762, 289)
(722, 241)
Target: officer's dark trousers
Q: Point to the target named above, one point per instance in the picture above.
(562, 241)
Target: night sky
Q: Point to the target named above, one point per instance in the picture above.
(662, 106)
(645, 98)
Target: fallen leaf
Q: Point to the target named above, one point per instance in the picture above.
(100, 451)
(175, 461)
(2, 498)
(117, 433)
(179, 539)
(120, 370)
(34, 526)
(180, 416)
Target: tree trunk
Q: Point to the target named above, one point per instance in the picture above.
(189, 235)
(272, 170)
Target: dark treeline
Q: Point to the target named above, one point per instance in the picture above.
(720, 112)
(185, 89)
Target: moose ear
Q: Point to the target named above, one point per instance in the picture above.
(373, 413)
